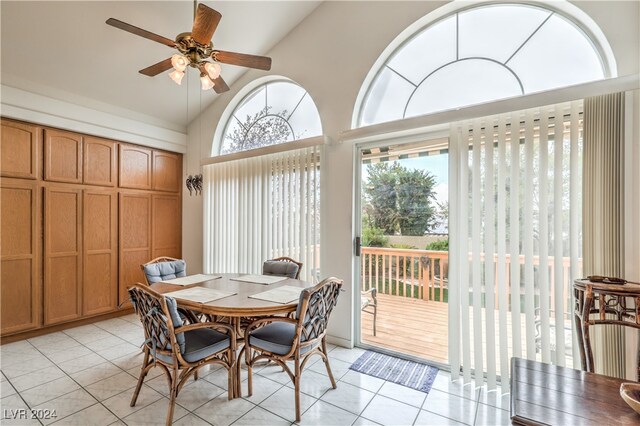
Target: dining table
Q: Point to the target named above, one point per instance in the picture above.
(236, 307)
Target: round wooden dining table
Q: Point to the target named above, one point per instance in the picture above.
(237, 306)
(240, 304)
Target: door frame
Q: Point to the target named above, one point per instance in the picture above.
(358, 147)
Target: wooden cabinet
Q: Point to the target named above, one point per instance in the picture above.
(20, 297)
(62, 254)
(135, 167)
(167, 226)
(135, 239)
(79, 215)
(167, 171)
(100, 252)
(20, 150)
(62, 156)
(99, 165)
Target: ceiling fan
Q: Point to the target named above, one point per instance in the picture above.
(195, 49)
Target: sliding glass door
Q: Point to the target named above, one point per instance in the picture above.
(402, 210)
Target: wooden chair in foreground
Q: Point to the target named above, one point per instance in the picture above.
(282, 266)
(282, 339)
(179, 350)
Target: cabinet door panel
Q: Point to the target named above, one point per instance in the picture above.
(167, 169)
(20, 153)
(63, 255)
(20, 256)
(134, 239)
(63, 156)
(100, 161)
(135, 167)
(167, 226)
(100, 272)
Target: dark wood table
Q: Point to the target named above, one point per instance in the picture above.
(601, 303)
(544, 394)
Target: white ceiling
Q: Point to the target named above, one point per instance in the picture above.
(66, 51)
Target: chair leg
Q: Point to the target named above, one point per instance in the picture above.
(375, 315)
(297, 388)
(235, 388)
(143, 373)
(247, 358)
(173, 396)
(325, 358)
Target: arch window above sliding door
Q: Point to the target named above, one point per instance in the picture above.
(479, 54)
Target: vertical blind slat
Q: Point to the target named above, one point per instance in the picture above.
(476, 253)
(489, 250)
(544, 242)
(503, 302)
(558, 238)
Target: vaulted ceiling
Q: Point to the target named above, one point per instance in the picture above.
(64, 50)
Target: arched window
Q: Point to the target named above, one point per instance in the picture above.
(480, 54)
(273, 113)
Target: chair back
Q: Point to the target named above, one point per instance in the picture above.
(315, 307)
(164, 268)
(283, 267)
(159, 317)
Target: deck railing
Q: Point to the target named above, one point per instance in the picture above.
(422, 274)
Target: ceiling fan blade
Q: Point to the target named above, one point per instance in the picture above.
(205, 24)
(220, 86)
(242, 59)
(158, 68)
(140, 32)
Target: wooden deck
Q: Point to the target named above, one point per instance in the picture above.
(420, 328)
(412, 326)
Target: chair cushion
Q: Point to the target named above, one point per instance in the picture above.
(161, 271)
(200, 344)
(172, 305)
(276, 338)
(280, 268)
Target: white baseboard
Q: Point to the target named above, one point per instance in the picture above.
(340, 341)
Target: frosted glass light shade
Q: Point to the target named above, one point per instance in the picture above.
(179, 62)
(176, 76)
(213, 69)
(205, 82)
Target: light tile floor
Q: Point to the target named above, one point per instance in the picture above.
(87, 375)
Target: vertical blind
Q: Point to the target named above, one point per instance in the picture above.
(263, 207)
(515, 220)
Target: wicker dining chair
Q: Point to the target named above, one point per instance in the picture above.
(282, 266)
(167, 268)
(282, 339)
(179, 350)
(163, 268)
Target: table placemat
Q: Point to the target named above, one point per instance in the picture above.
(200, 294)
(259, 279)
(192, 279)
(284, 294)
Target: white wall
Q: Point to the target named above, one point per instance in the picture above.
(330, 54)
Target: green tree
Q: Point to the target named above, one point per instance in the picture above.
(398, 199)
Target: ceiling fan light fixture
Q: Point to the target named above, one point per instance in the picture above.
(205, 82)
(213, 69)
(176, 76)
(179, 62)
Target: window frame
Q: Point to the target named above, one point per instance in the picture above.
(246, 92)
(574, 15)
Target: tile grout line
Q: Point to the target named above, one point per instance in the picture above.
(71, 378)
